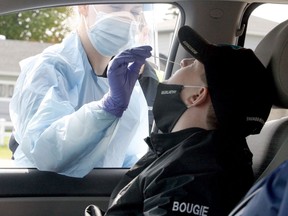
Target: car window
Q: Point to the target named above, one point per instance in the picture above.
(262, 20)
(28, 33)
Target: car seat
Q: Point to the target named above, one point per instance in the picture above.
(270, 147)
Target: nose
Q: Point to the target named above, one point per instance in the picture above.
(186, 61)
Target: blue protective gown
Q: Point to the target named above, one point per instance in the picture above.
(58, 122)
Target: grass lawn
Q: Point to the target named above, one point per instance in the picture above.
(5, 153)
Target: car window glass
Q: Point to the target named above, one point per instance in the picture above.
(262, 20)
(28, 33)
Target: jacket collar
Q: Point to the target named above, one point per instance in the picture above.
(159, 143)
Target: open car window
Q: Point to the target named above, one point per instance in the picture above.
(262, 20)
(28, 33)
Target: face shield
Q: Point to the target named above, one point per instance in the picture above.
(148, 34)
(113, 28)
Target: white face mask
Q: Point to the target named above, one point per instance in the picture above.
(113, 32)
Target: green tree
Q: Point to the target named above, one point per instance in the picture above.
(45, 25)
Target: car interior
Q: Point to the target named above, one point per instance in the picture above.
(270, 146)
(27, 191)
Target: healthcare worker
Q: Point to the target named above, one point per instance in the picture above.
(57, 107)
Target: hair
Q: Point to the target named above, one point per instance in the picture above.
(212, 120)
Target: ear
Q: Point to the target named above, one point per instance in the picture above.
(83, 9)
(198, 98)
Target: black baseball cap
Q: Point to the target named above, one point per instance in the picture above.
(240, 87)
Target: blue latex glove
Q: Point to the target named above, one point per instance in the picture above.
(122, 73)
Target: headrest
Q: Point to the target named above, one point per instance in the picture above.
(273, 53)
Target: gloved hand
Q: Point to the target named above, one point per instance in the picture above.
(122, 74)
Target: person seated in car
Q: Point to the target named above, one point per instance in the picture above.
(199, 162)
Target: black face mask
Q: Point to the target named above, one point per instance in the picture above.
(168, 106)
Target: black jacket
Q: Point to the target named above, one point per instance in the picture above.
(191, 172)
